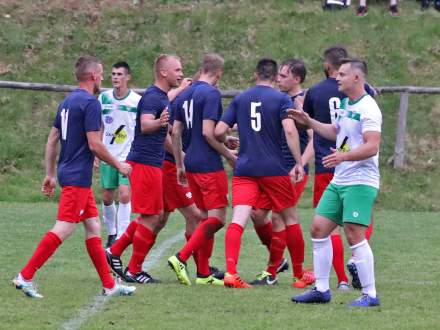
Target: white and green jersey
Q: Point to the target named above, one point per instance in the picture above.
(119, 120)
(353, 120)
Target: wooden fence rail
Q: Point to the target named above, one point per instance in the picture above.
(404, 91)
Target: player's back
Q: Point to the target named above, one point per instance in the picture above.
(258, 114)
(201, 101)
(77, 114)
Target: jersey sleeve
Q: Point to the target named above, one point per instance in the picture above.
(230, 115)
(308, 104)
(92, 118)
(371, 119)
(212, 107)
(177, 111)
(286, 103)
(100, 99)
(154, 106)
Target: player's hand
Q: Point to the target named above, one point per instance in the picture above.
(300, 116)
(232, 142)
(96, 163)
(124, 169)
(186, 82)
(297, 173)
(334, 159)
(181, 177)
(164, 117)
(232, 159)
(48, 186)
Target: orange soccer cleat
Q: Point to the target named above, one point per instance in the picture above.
(234, 281)
(307, 279)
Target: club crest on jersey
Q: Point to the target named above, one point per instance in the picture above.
(188, 195)
(108, 119)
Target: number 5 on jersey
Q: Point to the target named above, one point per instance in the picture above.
(255, 116)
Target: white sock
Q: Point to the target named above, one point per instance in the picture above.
(393, 2)
(364, 262)
(322, 262)
(363, 3)
(109, 214)
(124, 212)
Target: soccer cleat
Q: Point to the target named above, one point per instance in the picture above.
(119, 290)
(362, 11)
(344, 286)
(425, 4)
(115, 263)
(27, 287)
(217, 273)
(313, 297)
(110, 240)
(365, 301)
(355, 282)
(265, 278)
(393, 10)
(234, 281)
(179, 268)
(209, 280)
(307, 279)
(141, 277)
(283, 266)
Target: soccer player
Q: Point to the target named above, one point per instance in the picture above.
(146, 157)
(290, 76)
(261, 116)
(197, 111)
(348, 200)
(77, 126)
(119, 120)
(322, 103)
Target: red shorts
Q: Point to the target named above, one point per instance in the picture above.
(321, 182)
(264, 200)
(175, 196)
(210, 190)
(77, 204)
(246, 190)
(146, 189)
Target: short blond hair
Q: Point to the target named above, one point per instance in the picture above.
(211, 63)
(160, 62)
(85, 65)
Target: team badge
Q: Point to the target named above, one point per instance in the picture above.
(188, 195)
(108, 119)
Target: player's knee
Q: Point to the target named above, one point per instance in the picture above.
(317, 231)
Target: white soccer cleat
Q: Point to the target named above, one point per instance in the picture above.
(119, 290)
(27, 287)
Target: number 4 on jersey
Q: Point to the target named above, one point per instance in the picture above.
(188, 110)
(64, 118)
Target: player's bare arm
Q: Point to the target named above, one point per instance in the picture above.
(292, 139)
(208, 132)
(309, 151)
(368, 149)
(99, 150)
(150, 125)
(327, 131)
(49, 182)
(176, 138)
(173, 93)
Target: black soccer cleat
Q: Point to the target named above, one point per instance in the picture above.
(141, 277)
(217, 273)
(355, 281)
(283, 266)
(115, 263)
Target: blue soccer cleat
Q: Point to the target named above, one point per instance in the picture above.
(313, 297)
(365, 301)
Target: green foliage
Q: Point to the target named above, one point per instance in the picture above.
(41, 40)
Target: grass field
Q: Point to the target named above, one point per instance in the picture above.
(406, 250)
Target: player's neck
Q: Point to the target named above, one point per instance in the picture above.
(121, 92)
(163, 85)
(87, 85)
(267, 83)
(295, 90)
(212, 80)
(356, 93)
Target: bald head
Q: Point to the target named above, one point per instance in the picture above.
(168, 71)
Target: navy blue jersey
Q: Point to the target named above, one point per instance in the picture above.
(185, 133)
(79, 113)
(201, 101)
(322, 103)
(258, 113)
(148, 149)
(289, 161)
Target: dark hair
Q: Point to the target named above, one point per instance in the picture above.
(267, 69)
(334, 55)
(122, 64)
(85, 65)
(296, 67)
(356, 63)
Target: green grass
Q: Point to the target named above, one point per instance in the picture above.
(406, 254)
(41, 40)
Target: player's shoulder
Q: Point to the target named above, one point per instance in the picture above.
(133, 95)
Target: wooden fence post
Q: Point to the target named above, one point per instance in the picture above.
(399, 147)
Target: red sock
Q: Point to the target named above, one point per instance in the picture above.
(232, 247)
(338, 257)
(204, 232)
(47, 246)
(277, 247)
(97, 254)
(369, 231)
(194, 255)
(204, 254)
(143, 240)
(295, 244)
(125, 240)
(264, 233)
